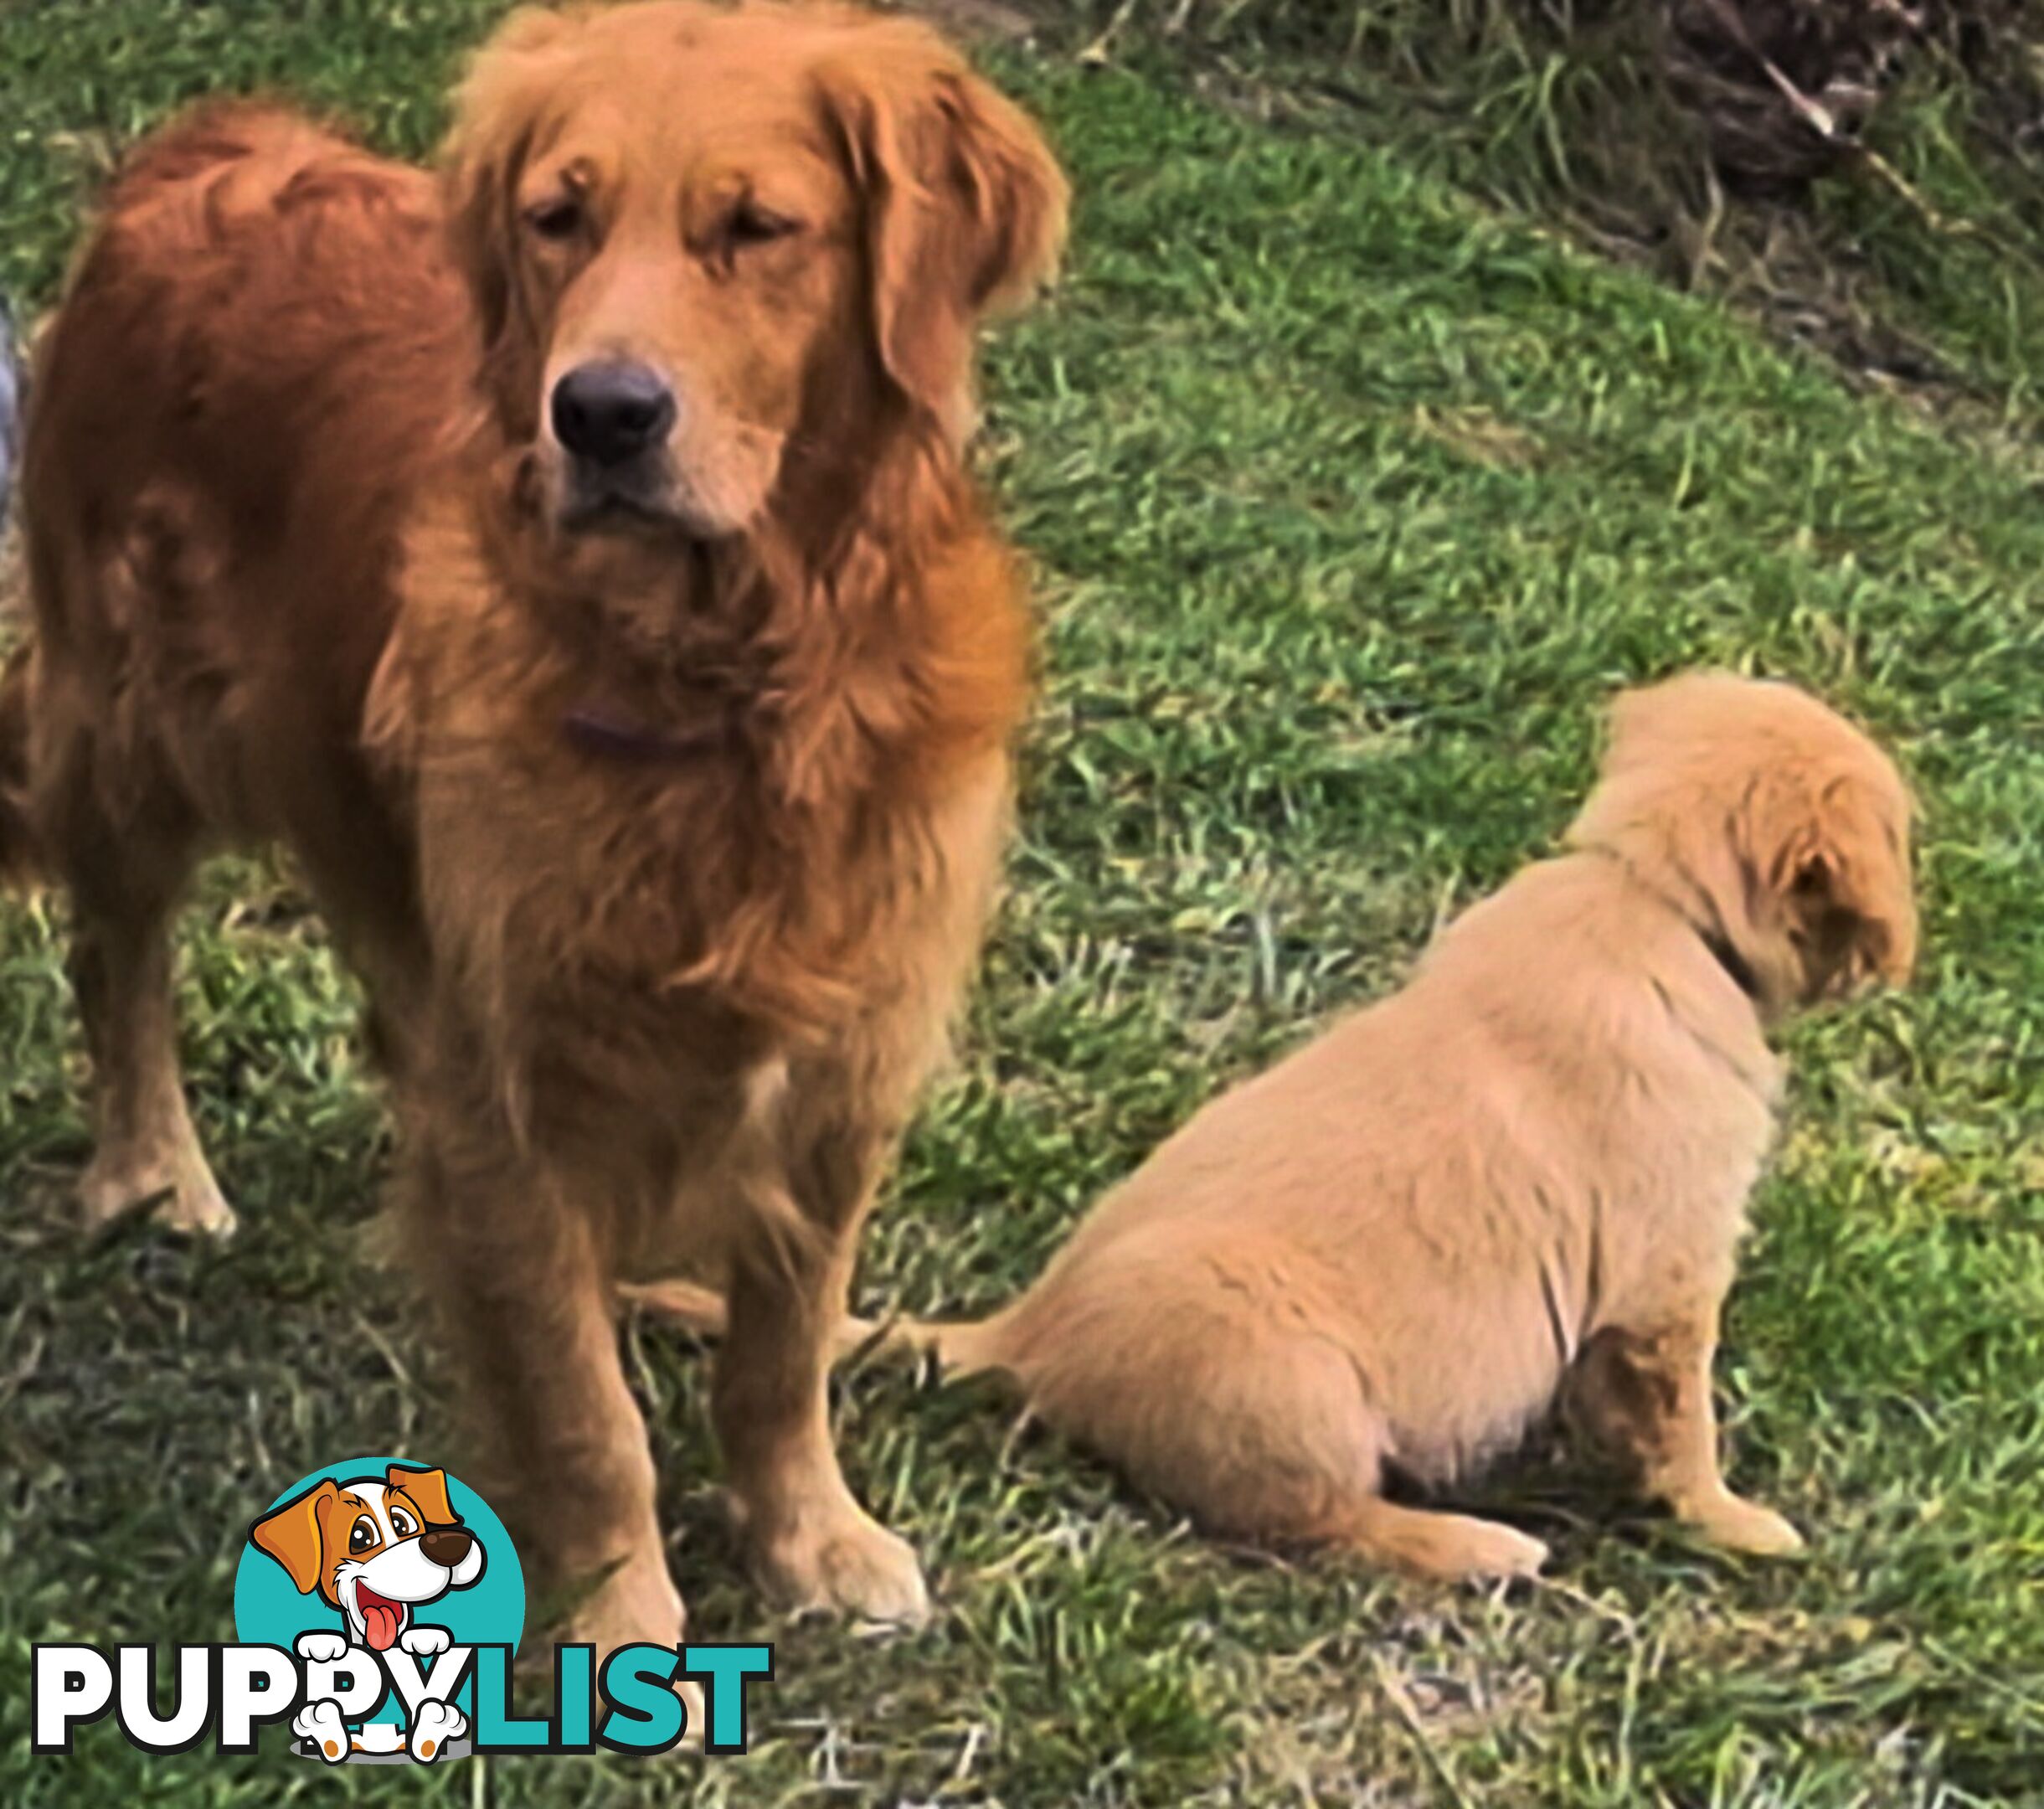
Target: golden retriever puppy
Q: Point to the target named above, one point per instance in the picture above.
(1523, 1176)
(572, 561)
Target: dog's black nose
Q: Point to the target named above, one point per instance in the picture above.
(446, 1545)
(611, 412)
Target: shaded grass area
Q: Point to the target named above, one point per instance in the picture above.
(1916, 260)
(1351, 502)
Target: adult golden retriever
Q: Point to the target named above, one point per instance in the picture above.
(1524, 1176)
(572, 561)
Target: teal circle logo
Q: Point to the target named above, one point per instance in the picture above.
(375, 1556)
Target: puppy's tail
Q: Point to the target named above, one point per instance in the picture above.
(962, 1348)
(17, 847)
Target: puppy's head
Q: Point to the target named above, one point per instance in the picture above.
(372, 1547)
(1785, 824)
(705, 245)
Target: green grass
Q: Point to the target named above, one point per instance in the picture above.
(1351, 502)
(1916, 264)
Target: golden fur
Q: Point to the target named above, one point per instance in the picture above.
(661, 827)
(1523, 1176)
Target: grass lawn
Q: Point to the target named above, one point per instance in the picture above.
(1352, 502)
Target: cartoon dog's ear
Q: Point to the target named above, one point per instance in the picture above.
(429, 1488)
(291, 1534)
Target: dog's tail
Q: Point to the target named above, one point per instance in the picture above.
(17, 847)
(962, 1347)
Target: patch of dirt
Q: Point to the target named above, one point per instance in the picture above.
(1687, 137)
(975, 20)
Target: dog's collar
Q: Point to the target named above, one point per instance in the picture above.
(1712, 934)
(597, 731)
(1729, 958)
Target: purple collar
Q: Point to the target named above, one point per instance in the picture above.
(595, 732)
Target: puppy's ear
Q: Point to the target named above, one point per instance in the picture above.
(291, 1534)
(429, 1488)
(1834, 856)
(496, 110)
(965, 205)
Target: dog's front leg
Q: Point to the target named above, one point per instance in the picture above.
(811, 1544)
(1644, 1393)
(525, 1294)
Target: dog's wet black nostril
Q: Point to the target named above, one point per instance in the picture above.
(611, 412)
(446, 1545)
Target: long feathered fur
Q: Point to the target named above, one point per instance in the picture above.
(297, 578)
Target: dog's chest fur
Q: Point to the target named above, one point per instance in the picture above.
(604, 922)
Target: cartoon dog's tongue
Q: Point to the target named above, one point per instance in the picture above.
(382, 1619)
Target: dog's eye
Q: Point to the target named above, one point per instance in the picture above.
(361, 1535)
(752, 224)
(402, 1523)
(558, 218)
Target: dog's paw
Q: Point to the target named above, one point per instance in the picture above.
(636, 1604)
(198, 1206)
(320, 1722)
(178, 1191)
(434, 1724)
(321, 1648)
(697, 1728)
(1461, 1548)
(1743, 1526)
(1503, 1551)
(847, 1561)
(1449, 1547)
(424, 1642)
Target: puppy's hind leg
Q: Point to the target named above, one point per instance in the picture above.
(1424, 1543)
(1218, 1387)
(1324, 1489)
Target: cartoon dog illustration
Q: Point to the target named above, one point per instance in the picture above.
(375, 1549)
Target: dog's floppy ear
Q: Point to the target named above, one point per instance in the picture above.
(1832, 852)
(1787, 827)
(291, 1534)
(496, 110)
(429, 1488)
(965, 205)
